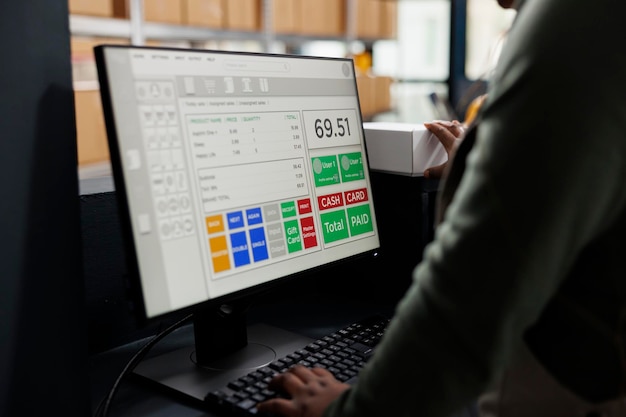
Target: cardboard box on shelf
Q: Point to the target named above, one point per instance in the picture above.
(163, 11)
(284, 16)
(102, 8)
(205, 13)
(374, 93)
(91, 136)
(121, 8)
(365, 84)
(243, 15)
(388, 19)
(382, 85)
(368, 18)
(157, 11)
(321, 17)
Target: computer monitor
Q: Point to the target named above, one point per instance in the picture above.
(234, 172)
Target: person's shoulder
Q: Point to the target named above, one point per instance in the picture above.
(563, 39)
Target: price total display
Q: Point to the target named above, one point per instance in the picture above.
(332, 127)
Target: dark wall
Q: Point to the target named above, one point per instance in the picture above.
(110, 310)
(43, 367)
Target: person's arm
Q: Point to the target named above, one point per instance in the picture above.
(544, 178)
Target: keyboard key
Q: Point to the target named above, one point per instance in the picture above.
(236, 385)
(361, 348)
(246, 404)
(313, 347)
(277, 365)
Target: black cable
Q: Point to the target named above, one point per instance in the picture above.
(105, 404)
(621, 347)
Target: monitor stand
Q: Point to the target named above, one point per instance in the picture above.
(225, 349)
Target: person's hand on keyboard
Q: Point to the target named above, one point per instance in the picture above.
(310, 391)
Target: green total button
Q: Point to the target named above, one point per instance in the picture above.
(334, 226)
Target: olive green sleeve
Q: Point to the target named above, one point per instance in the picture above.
(544, 178)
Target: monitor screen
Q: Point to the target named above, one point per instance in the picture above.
(235, 170)
(234, 173)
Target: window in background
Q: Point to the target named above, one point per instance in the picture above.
(334, 49)
(487, 25)
(418, 60)
(422, 48)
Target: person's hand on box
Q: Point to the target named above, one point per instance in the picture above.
(449, 133)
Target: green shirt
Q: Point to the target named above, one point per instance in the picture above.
(532, 248)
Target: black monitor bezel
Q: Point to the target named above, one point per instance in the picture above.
(133, 275)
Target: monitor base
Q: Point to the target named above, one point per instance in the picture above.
(178, 371)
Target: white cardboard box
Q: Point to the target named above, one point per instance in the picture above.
(402, 148)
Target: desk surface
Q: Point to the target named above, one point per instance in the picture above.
(309, 317)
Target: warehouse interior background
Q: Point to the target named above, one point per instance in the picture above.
(406, 51)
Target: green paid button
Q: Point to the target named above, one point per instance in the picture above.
(360, 219)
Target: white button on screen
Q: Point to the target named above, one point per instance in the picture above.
(144, 223)
(133, 160)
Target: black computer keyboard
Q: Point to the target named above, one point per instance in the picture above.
(343, 353)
